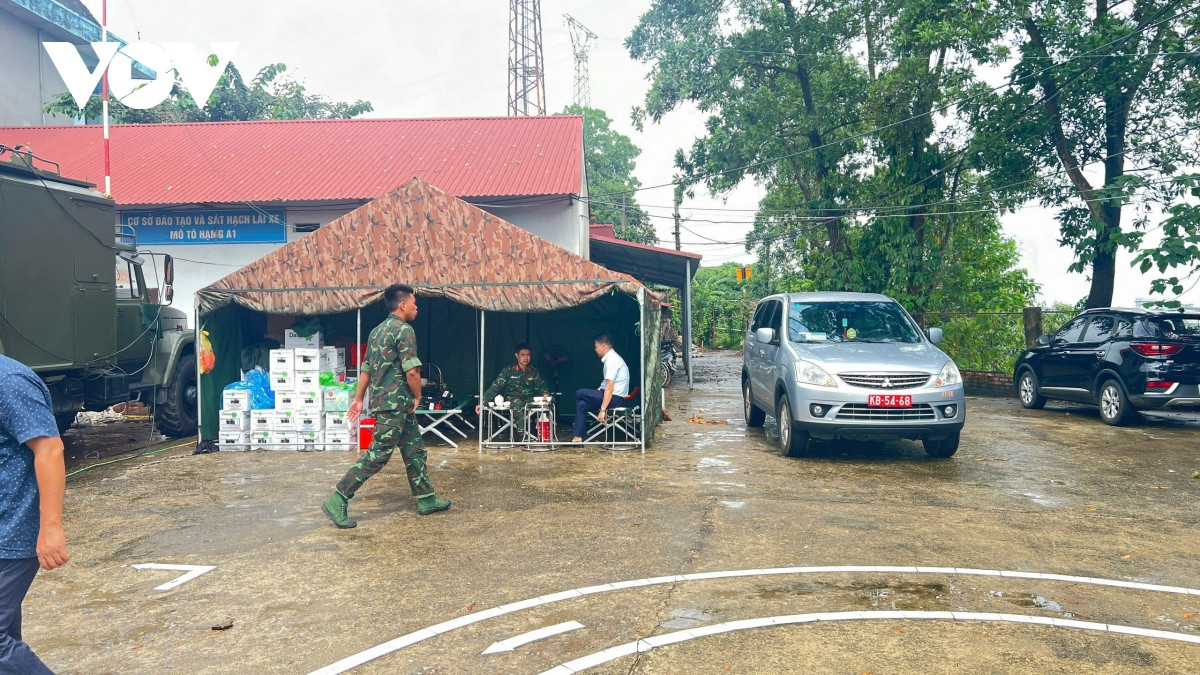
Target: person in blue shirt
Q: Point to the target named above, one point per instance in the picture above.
(32, 482)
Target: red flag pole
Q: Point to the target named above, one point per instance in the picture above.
(104, 102)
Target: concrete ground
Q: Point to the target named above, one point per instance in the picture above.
(1045, 492)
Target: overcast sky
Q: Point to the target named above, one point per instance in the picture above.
(420, 59)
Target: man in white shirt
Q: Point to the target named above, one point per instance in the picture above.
(615, 385)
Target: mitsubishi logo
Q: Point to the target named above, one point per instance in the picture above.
(887, 384)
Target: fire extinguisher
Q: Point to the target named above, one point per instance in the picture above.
(544, 428)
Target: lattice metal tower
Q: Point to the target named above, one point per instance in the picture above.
(526, 72)
(581, 43)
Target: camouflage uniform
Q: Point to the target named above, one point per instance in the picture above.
(391, 353)
(518, 386)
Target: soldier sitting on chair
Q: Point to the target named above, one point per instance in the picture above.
(518, 384)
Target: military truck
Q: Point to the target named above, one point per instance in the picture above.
(75, 303)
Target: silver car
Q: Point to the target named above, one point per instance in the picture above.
(849, 365)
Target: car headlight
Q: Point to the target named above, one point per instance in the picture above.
(811, 373)
(949, 375)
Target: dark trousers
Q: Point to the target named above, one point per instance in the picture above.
(15, 655)
(586, 401)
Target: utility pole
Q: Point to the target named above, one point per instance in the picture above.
(581, 43)
(622, 213)
(678, 201)
(526, 70)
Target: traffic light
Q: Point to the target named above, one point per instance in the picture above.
(743, 273)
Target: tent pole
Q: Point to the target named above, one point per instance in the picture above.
(645, 344)
(357, 342)
(199, 393)
(482, 332)
(687, 321)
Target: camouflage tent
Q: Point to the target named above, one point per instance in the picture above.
(472, 271)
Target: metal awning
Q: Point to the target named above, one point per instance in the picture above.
(648, 264)
(652, 265)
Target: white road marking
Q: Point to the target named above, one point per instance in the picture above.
(193, 571)
(525, 638)
(453, 624)
(647, 644)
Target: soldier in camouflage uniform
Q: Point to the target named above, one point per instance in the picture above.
(518, 384)
(392, 372)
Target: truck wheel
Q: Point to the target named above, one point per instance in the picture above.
(64, 421)
(943, 448)
(794, 442)
(176, 417)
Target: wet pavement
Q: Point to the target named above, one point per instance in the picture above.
(858, 558)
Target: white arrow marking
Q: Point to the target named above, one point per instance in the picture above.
(525, 638)
(193, 571)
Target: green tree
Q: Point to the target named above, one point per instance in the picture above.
(1101, 125)
(721, 303)
(610, 161)
(864, 190)
(271, 95)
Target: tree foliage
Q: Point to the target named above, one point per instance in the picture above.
(836, 106)
(610, 162)
(721, 303)
(1100, 124)
(271, 95)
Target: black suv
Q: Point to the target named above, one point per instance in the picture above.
(1122, 360)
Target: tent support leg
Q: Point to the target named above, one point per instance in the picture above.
(357, 342)
(687, 323)
(647, 340)
(199, 392)
(482, 332)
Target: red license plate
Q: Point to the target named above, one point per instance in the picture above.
(889, 401)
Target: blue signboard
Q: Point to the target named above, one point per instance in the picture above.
(208, 226)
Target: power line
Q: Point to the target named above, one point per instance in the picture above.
(850, 209)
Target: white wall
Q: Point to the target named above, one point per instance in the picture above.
(563, 221)
(28, 79)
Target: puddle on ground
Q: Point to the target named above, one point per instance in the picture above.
(1040, 499)
(686, 618)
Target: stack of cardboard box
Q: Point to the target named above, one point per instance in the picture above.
(305, 417)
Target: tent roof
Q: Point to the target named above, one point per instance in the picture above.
(424, 237)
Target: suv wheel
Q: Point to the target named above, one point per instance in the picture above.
(754, 414)
(794, 442)
(1114, 404)
(1027, 390)
(944, 448)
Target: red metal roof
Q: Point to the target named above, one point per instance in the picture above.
(606, 234)
(318, 160)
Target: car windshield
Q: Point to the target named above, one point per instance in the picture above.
(850, 322)
(1182, 327)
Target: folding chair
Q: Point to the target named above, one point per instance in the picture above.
(621, 420)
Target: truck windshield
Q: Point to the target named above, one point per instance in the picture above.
(1182, 327)
(850, 322)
